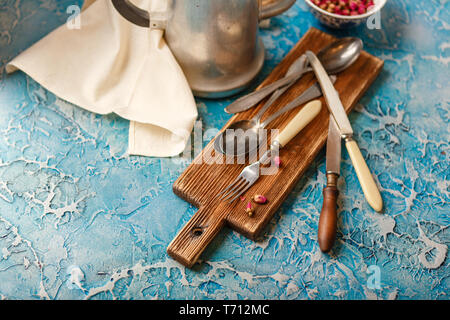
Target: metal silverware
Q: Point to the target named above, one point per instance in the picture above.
(250, 174)
(336, 57)
(337, 110)
(296, 71)
(296, 67)
(228, 141)
(328, 216)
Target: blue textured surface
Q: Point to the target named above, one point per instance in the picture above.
(81, 219)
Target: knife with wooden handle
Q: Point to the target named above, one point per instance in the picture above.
(328, 216)
(336, 108)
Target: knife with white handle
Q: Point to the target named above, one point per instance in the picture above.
(337, 110)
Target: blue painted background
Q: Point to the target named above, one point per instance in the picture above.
(80, 219)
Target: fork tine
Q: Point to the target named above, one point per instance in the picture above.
(245, 189)
(232, 186)
(237, 191)
(229, 186)
(232, 190)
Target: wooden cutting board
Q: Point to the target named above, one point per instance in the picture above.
(201, 181)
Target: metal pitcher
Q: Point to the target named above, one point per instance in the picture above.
(215, 42)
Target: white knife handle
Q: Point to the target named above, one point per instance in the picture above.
(301, 120)
(365, 178)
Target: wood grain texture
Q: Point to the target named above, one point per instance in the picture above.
(202, 180)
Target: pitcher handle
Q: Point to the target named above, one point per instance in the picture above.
(132, 13)
(274, 8)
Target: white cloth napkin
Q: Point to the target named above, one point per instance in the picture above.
(110, 65)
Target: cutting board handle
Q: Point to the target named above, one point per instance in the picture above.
(195, 236)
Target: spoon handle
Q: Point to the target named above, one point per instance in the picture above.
(271, 100)
(298, 65)
(249, 100)
(311, 93)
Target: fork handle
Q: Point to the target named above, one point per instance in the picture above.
(248, 101)
(275, 95)
(195, 236)
(301, 120)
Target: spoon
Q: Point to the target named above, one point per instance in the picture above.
(335, 57)
(243, 137)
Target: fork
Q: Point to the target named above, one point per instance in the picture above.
(250, 174)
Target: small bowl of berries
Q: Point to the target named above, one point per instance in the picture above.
(340, 14)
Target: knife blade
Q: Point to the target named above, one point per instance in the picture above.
(336, 108)
(328, 216)
(331, 95)
(333, 161)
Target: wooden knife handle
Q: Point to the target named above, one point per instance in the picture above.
(328, 216)
(195, 236)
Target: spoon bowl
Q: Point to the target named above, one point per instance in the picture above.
(340, 54)
(240, 138)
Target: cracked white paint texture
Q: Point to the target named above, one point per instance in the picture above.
(80, 219)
